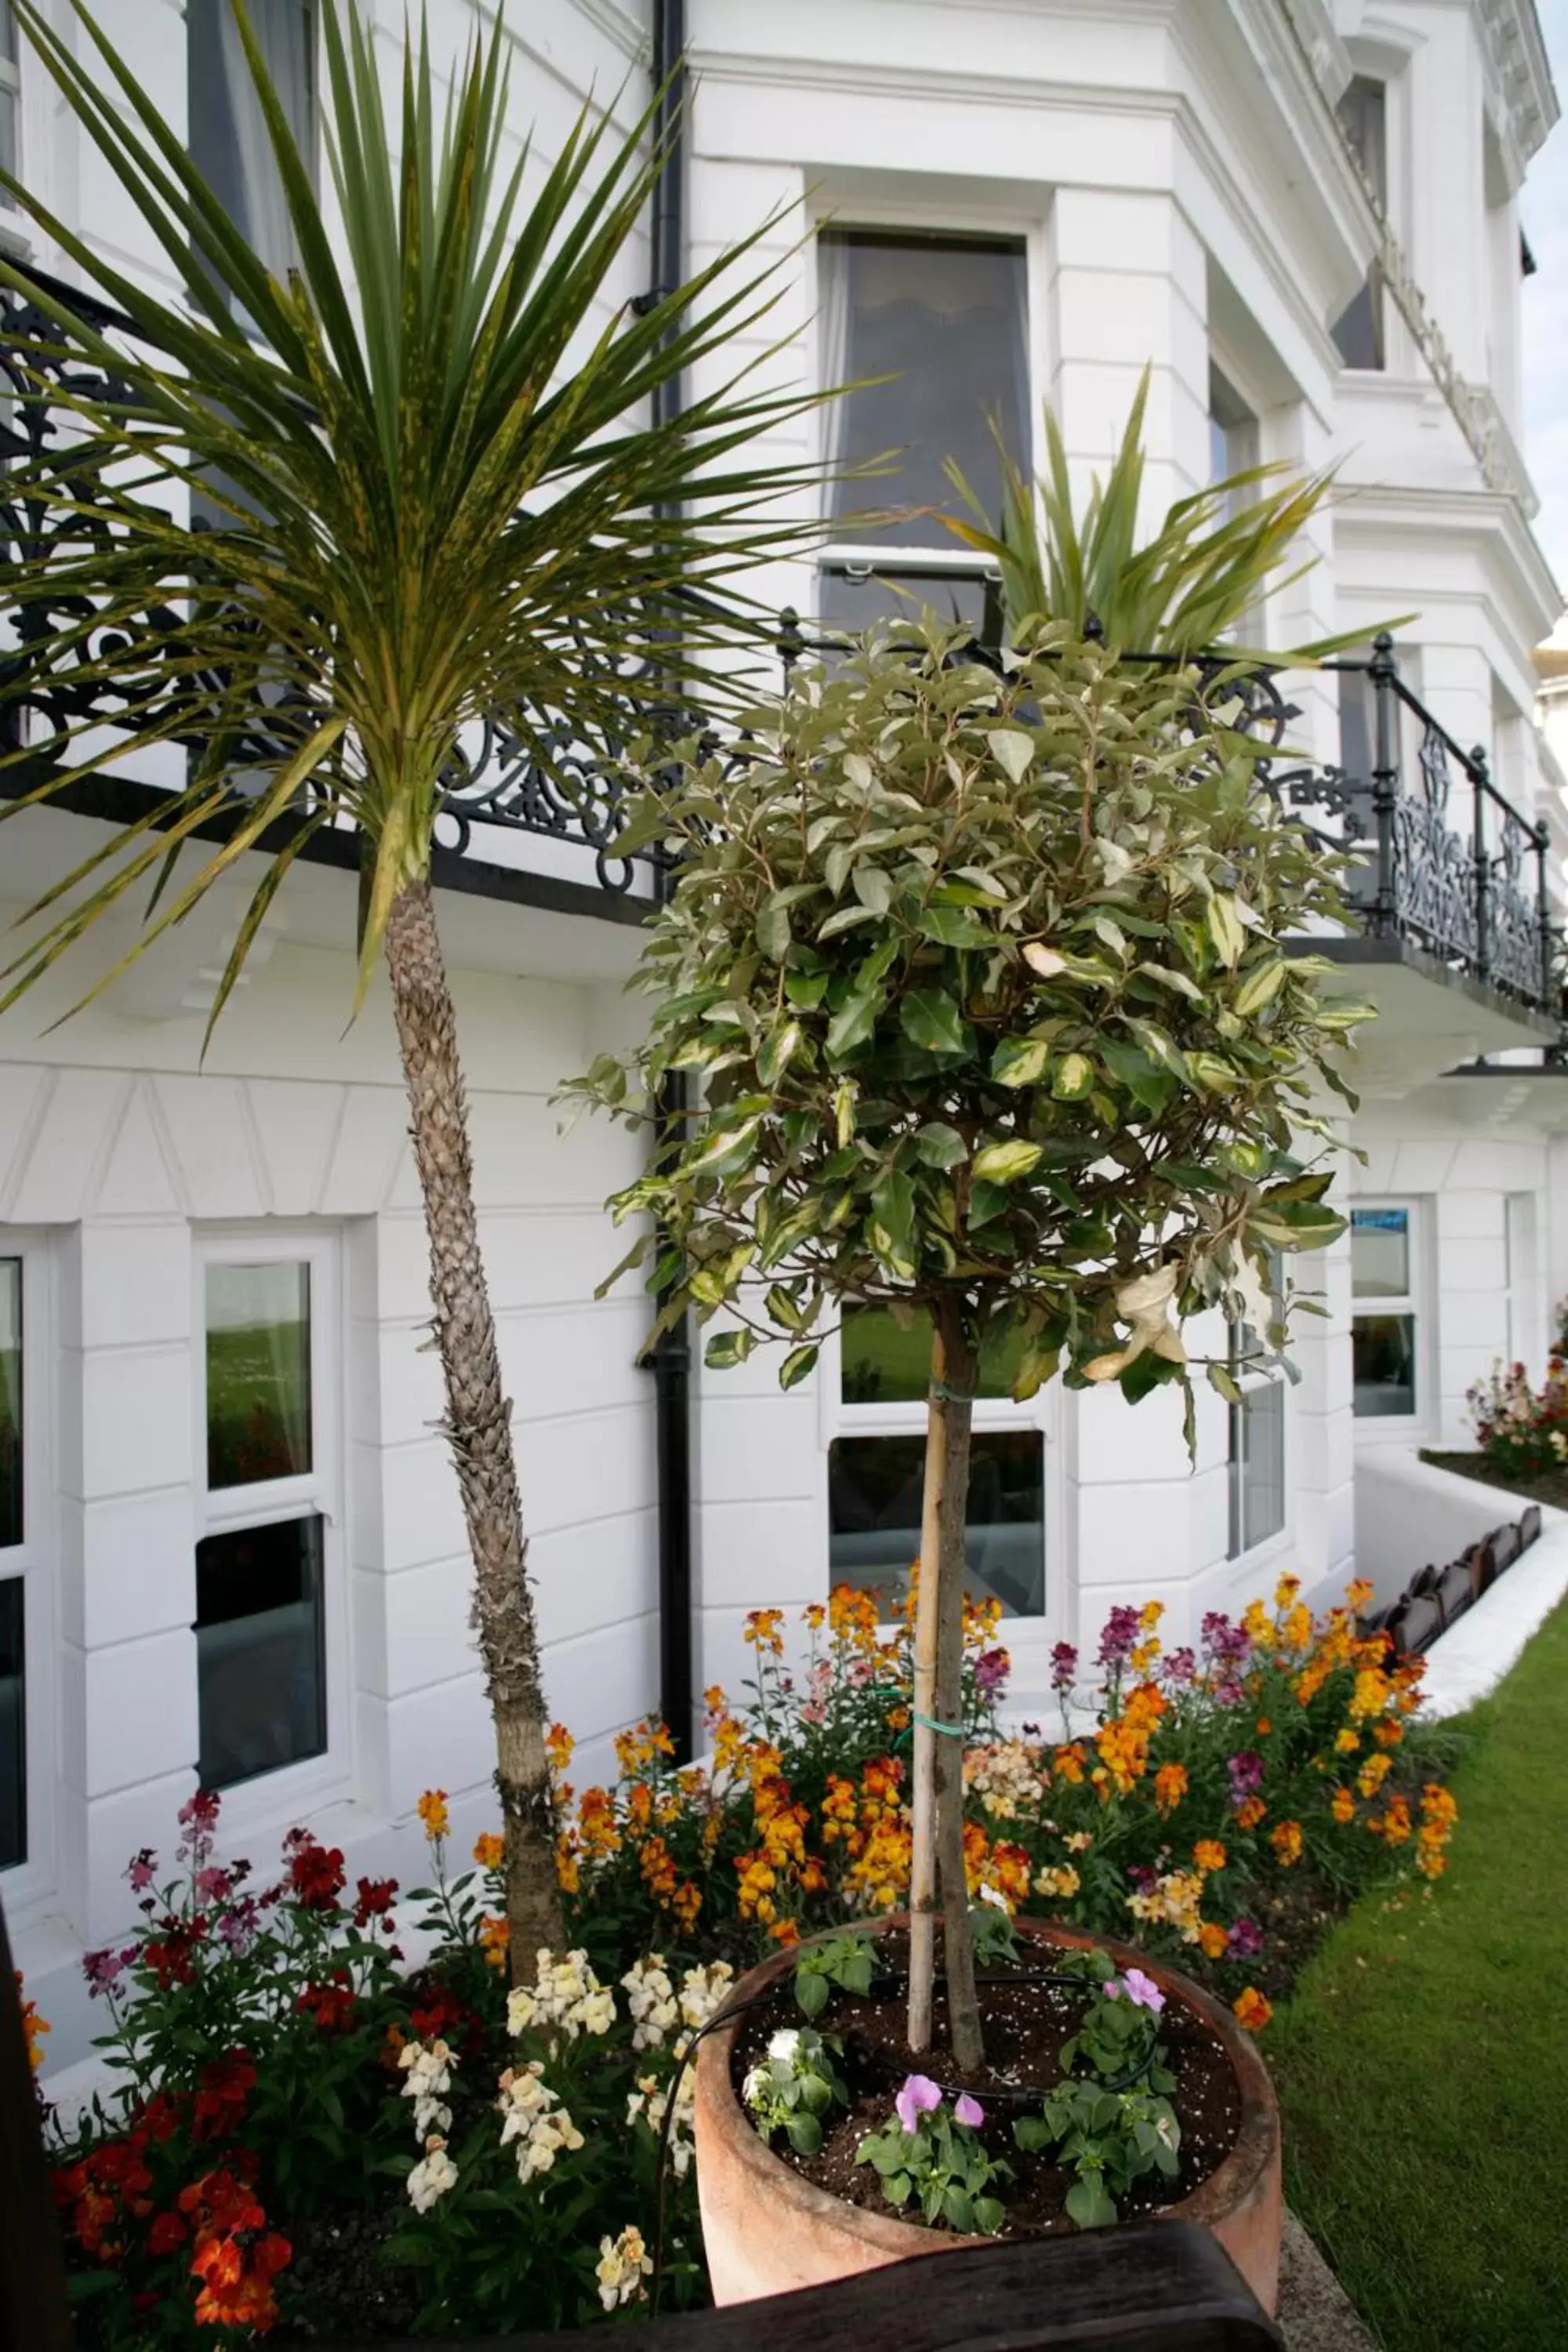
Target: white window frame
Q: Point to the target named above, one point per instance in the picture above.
(1029, 1639)
(1524, 1342)
(11, 79)
(260, 1802)
(34, 1561)
(891, 218)
(1252, 1380)
(1394, 1428)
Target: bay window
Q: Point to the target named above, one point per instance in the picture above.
(943, 319)
(265, 1549)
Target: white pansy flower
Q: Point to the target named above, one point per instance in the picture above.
(784, 2043)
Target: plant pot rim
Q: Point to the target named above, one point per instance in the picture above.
(1240, 2174)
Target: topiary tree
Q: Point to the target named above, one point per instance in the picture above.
(981, 977)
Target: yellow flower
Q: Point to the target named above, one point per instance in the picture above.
(559, 1745)
(432, 1810)
(1373, 1774)
(1170, 1786)
(1215, 1939)
(33, 2027)
(1285, 1591)
(1063, 1880)
(761, 1631)
(1346, 1742)
(1286, 1840)
(489, 1848)
(1209, 1855)
(1343, 1806)
(494, 1938)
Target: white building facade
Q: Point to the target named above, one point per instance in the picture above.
(229, 1539)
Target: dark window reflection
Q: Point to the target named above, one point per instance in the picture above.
(259, 1650)
(854, 602)
(1384, 1358)
(13, 1726)
(875, 1487)
(10, 1401)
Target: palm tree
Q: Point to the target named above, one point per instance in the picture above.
(433, 499)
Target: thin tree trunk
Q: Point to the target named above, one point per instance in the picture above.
(479, 1420)
(957, 1934)
(938, 1830)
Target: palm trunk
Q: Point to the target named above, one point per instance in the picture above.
(479, 1420)
(938, 1830)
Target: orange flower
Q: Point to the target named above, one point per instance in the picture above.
(1286, 1839)
(817, 1616)
(559, 1745)
(33, 2027)
(1252, 2008)
(1343, 1806)
(1249, 1813)
(761, 1631)
(1373, 1774)
(494, 1938)
(432, 1810)
(1209, 1855)
(1170, 1786)
(784, 1931)
(489, 1848)
(1215, 1939)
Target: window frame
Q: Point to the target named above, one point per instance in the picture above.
(1029, 1639)
(11, 79)
(33, 1561)
(322, 1490)
(1252, 1380)
(1523, 1329)
(1415, 1301)
(310, 144)
(944, 557)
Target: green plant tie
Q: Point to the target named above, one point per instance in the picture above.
(942, 1394)
(949, 1730)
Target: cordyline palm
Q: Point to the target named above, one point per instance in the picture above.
(436, 500)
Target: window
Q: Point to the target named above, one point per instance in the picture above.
(1523, 1342)
(10, 95)
(943, 319)
(1385, 1313)
(1364, 117)
(1258, 1492)
(876, 1476)
(1233, 435)
(228, 140)
(15, 1505)
(262, 1556)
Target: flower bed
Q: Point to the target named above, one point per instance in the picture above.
(305, 2130)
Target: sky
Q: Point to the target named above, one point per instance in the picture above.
(1543, 208)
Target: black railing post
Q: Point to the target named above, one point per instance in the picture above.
(1384, 672)
(1480, 783)
(1541, 840)
(791, 641)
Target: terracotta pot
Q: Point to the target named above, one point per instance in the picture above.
(767, 2230)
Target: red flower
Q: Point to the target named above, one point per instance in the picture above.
(315, 1872)
(167, 2232)
(332, 2005)
(374, 1900)
(225, 2086)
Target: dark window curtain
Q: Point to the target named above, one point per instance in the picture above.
(228, 140)
(1363, 117)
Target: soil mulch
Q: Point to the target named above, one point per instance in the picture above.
(1027, 2023)
(338, 2285)
(1551, 1487)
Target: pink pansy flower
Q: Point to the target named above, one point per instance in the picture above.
(1143, 1991)
(918, 2097)
(968, 2111)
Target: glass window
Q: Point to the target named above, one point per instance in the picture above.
(259, 1373)
(260, 1617)
(942, 320)
(1380, 1253)
(882, 1361)
(876, 1487)
(854, 598)
(10, 1402)
(9, 95)
(228, 140)
(1257, 1490)
(260, 1666)
(13, 1724)
(1233, 432)
(1364, 117)
(1385, 1328)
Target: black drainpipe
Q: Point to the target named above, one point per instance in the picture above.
(670, 1356)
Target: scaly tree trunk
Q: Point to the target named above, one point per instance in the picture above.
(479, 1420)
(938, 1830)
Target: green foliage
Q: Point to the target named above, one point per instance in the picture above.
(1215, 556)
(434, 504)
(847, 1961)
(1113, 2123)
(992, 1926)
(982, 978)
(794, 2086)
(943, 2168)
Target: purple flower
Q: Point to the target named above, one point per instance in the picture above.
(1143, 1991)
(1222, 1641)
(1246, 1940)
(1141, 1877)
(1064, 1666)
(918, 2097)
(991, 1672)
(240, 1926)
(214, 1885)
(1246, 1770)
(1181, 1667)
(104, 1969)
(1120, 1638)
(968, 2111)
(141, 1871)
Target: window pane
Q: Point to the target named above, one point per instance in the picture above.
(12, 1728)
(853, 604)
(10, 1401)
(1364, 117)
(874, 1490)
(259, 1373)
(1257, 1467)
(260, 1674)
(1384, 1358)
(1380, 1253)
(881, 1364)
(7, 140)
(943, 319)
(228, 140)
(7, 33)
(1233, 430)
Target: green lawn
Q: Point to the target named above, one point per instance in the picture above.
(1423, 2063)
